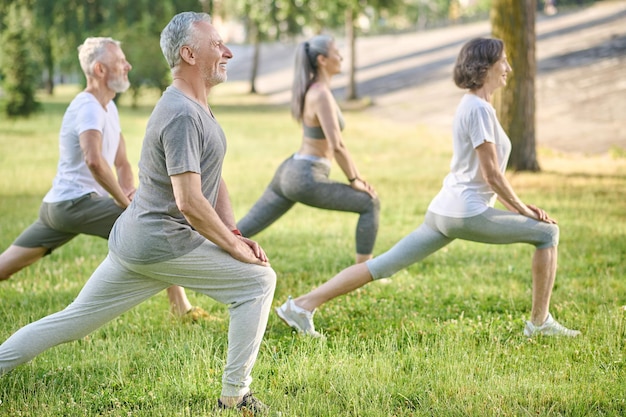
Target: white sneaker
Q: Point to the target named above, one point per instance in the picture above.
(550, 327)
(298, 318)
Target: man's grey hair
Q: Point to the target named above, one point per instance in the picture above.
(178, 33)
(92, 51)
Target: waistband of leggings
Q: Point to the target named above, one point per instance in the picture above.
(312, 158)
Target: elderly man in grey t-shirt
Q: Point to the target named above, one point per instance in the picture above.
(179, 229)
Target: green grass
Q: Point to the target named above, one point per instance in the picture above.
(442, 338)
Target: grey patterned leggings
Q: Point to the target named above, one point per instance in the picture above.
(493, 226)
(306, 181)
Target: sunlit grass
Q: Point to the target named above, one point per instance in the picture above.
(442, 338)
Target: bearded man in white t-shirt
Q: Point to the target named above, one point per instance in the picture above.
(87, 196)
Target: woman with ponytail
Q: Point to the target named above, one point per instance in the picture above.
(304, 176)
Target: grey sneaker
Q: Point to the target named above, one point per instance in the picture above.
(249, 406)
(298, 318)
(550, 327)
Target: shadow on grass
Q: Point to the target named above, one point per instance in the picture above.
(584, 175)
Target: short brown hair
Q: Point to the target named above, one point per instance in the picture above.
(474, 60)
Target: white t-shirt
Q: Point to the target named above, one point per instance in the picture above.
(73, 178)
(465, 192)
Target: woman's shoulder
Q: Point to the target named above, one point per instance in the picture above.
(319, 93)
(472, 105)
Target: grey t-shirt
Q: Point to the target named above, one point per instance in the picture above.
(181, 136)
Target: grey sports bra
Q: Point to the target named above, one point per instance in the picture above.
(316, 132)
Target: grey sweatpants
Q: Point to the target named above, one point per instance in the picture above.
(306, 181)
(492, 226)
(117, 286)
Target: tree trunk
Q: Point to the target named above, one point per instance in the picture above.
(254, 32)
(351, 93)
(49, 65)
(513, 21)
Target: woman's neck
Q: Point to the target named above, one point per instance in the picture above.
(482, 93)
(323, 78)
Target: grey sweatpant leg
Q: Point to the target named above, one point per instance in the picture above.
(117, 286)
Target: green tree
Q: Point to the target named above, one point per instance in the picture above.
(268, 20)
(19, 66)
(513, 21)
(140, 32)
(142, 49)
(350, 10)
(47, 14)
(69, 26)
(426, 12)
(59, 26)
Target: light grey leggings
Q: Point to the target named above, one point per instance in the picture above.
(117, 286)
(491, 226)
(306, 181)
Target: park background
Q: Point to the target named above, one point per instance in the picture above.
(442, 337)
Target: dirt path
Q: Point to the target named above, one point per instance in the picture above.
(581, 80)
(581, 76)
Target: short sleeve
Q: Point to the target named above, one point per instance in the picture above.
(181, 145)
(90, 116)
(480, 126)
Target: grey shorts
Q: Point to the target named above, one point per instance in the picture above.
(58, 223)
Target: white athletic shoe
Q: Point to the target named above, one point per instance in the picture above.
(298, 318)
(550, 327)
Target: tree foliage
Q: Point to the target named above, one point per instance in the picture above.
(19, 66)
(268, 20)
(59, 26)
(348, 11)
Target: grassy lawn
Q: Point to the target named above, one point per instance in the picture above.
(442, 338)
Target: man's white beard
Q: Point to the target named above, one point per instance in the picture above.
(119, 85)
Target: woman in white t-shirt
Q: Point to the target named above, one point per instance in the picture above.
(463, 209)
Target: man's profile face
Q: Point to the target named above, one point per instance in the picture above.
(117, 69)
(212, 54)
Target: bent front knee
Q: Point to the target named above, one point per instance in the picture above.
(551, 236)
(376, 203)
(372, 207)
(268, 280)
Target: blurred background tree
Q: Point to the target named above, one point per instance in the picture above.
(267, 20)
(40, 37)
(20, 70)
(513, 21)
